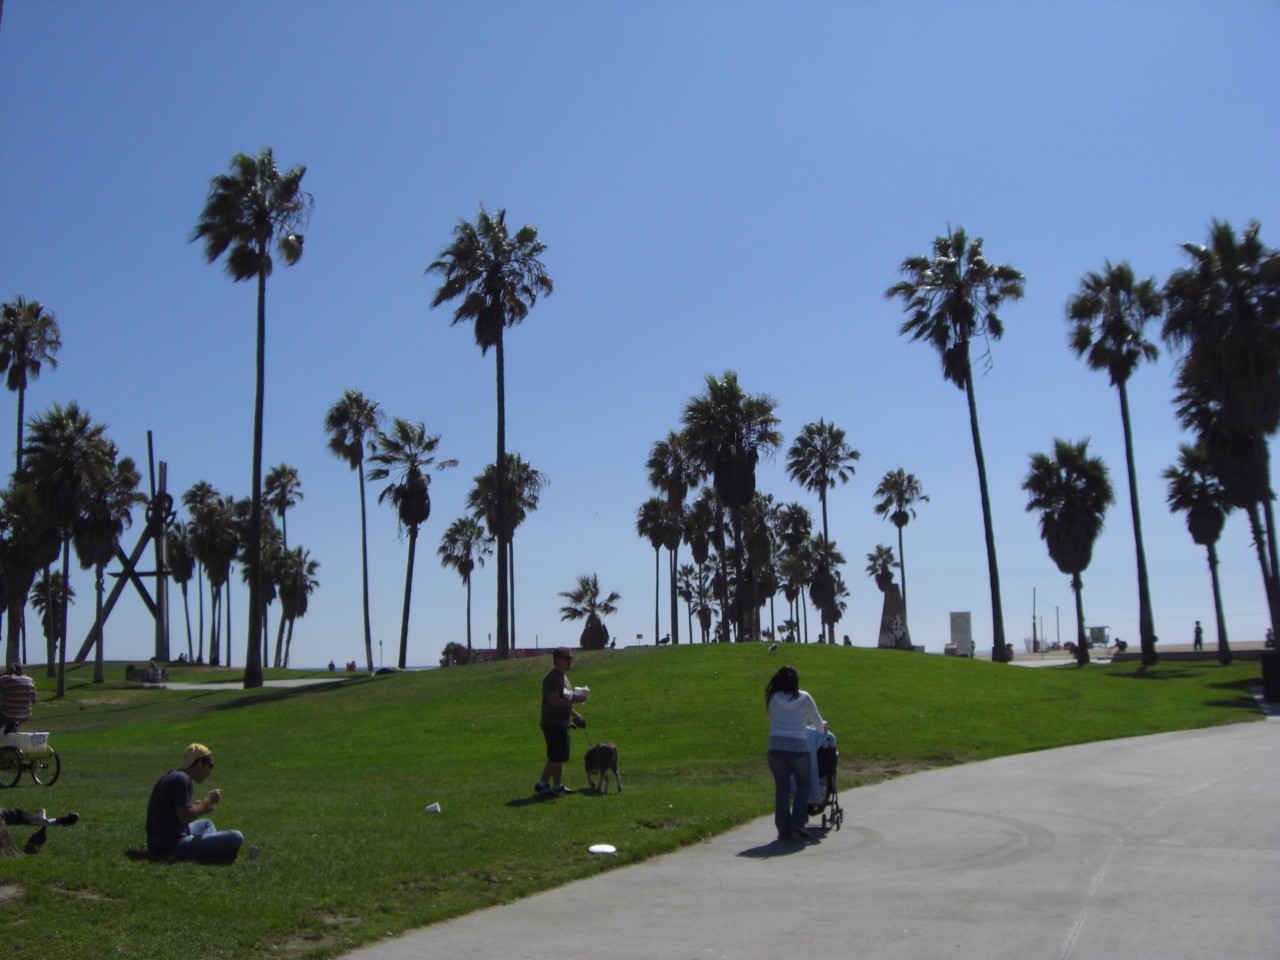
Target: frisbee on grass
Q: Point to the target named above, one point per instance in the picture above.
(603, 848)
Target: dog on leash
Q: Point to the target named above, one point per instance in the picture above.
(599, 761)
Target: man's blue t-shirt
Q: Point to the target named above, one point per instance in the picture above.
(164, 830)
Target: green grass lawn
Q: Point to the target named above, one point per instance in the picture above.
(331, 781)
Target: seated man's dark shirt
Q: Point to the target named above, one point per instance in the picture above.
(164, 830)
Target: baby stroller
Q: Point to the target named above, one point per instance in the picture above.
(823, 797)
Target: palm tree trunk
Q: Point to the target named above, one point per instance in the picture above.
(253, 650)
(1082, 646)
(1273, 590)
(1224, 649)
(62, 627)
(655, 595)
(675, 599)
(280, 642)
(830, 627)
(288, 643)
(511, 589)
(999, 650)
(364, 568)
(468, 578)
(408, 594)
(22, 399)
(1268, 571)
(186, 609)
(1146, 623)
(99, 667)
(500, 478)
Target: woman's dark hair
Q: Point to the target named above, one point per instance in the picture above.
(785, 680)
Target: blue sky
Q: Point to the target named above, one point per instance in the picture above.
(719, 185)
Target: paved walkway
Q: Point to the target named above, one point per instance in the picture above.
(1150, 848)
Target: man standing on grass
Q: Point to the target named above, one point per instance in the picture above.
(558, 699)
(177, 826)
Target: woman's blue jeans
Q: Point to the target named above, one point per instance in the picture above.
(788, 813)
(203, 842)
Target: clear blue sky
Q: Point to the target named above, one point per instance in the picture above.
(720, 186)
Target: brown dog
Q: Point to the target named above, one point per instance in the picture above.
(599, 761)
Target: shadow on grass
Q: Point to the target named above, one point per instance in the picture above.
(530, 801)
(280, 694)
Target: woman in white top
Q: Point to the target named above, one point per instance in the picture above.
(791, 710)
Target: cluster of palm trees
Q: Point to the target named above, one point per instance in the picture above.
(747, 547)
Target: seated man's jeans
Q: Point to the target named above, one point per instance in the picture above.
(203, 842)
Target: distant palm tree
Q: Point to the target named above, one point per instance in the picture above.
(651, 523)
(952, 299)
(727, 431)
(818, 460)
(1221, 310)
(281, 491)
(67, 456)
(585, 603)
(29, 337)
(880, 564)
(405, 453)
(215, 541)
(106, 513)
(1109, 316)
(181, 562)
(29, 545)
(296, 581)
(463, 547)
(499, 277)
(50, 597)
(352, 423)
(673, 471)
(249, 210)
(897, 495)
(1196, 492)
(1072, 491)
(524, 490)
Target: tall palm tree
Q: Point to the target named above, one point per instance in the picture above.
(181, 561)
(351, 423)
(1196, 492)
(499, 277)
(820, 458)
(68, 456)
(281, 491)
(28, 545)
(106, 513)
(405, 453)
(652, 523)
(1109, 316)
(296, 581)
(897, 495)
(728, 430)
(249, 210)
(29, 338)
(524, 490)
(463, 547)
(1072, 491)
(951, 300)
(585, 604)
(215, 542)
(1222, 309)
(673, 471)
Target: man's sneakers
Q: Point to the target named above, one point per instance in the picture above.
(546, 790)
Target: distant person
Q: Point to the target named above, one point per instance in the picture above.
(790, 710)
(558, 714)
(1198, 643)
(17, 697)
(177, 826)
(847, 641)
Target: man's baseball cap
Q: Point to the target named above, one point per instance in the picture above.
(197, 751)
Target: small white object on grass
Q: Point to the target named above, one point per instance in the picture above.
(433, 808)
(603, 848)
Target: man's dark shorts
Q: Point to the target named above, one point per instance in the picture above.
(557, 738)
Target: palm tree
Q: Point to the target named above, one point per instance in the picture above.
(50, 597)
(673, 471)
(499, 277)
(28, 546)
(1109, 316)
(1222, 310)
(817, 460)
(652, 524)
(524, 490)
(296, 581)
(1072, 491)
(463, 547)
(728, 431)
(247, 211)
(880, 564)
(406, 452)
(29, 338)
(281, 491)
(215, 542)
(1196, 492)
(585, 603)
(952, 300)
(897, 495)
(106, 512)
(351, 423)
(67, 456)
(181, 561)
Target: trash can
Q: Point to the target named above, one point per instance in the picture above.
(1271, 675)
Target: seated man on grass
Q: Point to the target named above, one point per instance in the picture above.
(177, 826)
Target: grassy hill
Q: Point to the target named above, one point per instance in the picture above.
(331, 781)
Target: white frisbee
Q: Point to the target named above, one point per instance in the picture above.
(603, 848)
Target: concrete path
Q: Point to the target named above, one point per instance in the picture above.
(1151, 848)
